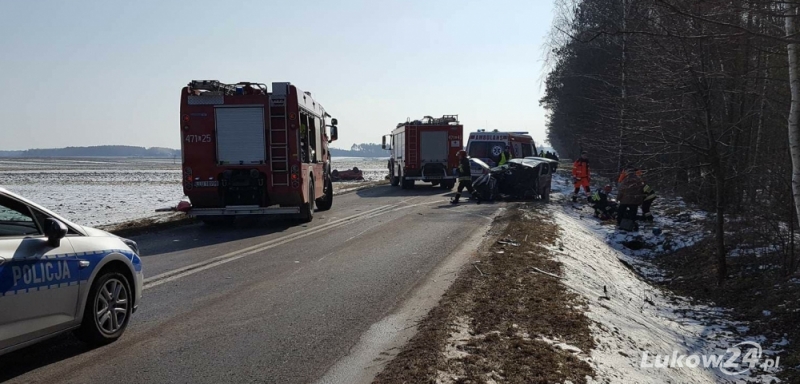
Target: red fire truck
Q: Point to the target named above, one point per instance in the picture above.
(425, 150)
(250, 150)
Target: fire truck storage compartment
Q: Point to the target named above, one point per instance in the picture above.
(434, 150)
(434, 147)
(240, 135)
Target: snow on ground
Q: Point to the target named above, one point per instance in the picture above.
(630, 316)
(97, 191)
(372, 168)
(103, 191)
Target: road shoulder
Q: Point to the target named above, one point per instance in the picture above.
(385, 339)
(508, 317)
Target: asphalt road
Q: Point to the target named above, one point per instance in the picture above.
(267, 301)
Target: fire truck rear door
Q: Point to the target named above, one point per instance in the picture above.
(434, 147)
(240, 135)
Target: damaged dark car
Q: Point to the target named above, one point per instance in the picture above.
(526, 178)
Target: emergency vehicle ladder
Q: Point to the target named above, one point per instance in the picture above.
(412, 144)
(279, 141)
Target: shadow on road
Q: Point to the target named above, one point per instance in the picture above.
(40, 355)
(201, 235)
(420, 189)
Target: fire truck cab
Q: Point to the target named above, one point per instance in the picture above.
(488, 146)
(426, 150)
(250, 150)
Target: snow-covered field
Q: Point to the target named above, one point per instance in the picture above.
(95, 191)
(373, 168)
(630, 316)
(102, 191)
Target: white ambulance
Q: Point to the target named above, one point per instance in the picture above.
(488, 146)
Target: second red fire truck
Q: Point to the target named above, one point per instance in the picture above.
(425, 150)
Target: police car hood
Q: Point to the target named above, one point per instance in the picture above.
(96, 232)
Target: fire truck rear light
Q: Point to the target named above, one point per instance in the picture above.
(186, 118)
(185, 127)
(294, 176)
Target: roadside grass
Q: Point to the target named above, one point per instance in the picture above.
(507, 318)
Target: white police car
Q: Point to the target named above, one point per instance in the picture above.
(56, 276)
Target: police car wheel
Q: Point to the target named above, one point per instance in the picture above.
(108, 309)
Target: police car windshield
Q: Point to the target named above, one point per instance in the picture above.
(490, 150)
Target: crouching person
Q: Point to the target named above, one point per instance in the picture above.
(604, 209)
(464, 179)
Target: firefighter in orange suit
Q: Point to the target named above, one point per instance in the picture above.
(580, 174)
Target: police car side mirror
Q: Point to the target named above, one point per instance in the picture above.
(55, 231)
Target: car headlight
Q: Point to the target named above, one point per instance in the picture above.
(132, 245)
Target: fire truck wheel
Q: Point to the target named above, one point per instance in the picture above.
(408, 184)
(307, 209)
(448, 185)
(326, 202)
(394, 179)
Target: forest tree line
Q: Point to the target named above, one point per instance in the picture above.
(695, 93)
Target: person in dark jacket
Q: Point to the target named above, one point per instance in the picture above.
(464, 179)
(604, 209)
(630, 196)
(649, 196)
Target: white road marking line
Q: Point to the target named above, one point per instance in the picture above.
(361, 233)
(235, 255)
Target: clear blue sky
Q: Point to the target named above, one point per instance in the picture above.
(78, 73)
